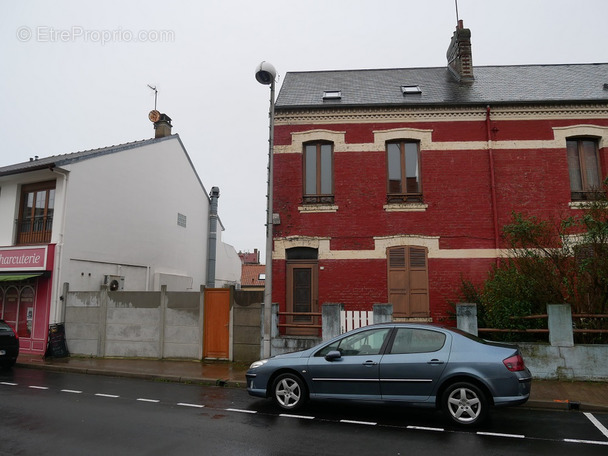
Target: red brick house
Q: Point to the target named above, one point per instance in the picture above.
(392, 185)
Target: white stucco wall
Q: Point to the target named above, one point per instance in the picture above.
(121, 219)
(228, 266)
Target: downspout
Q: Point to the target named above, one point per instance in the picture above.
(60, 301)
(492, 182)
(212, 238)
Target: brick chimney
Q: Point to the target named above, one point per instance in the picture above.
(162, 127)
(460, 57)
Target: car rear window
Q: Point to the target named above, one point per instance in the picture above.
(413, 340)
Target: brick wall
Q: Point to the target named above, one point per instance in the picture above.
(457, 190)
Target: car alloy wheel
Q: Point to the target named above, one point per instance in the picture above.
(289, 391)
(465, 404)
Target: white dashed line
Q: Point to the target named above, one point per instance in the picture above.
(38, 387)
(8, 384)
(591, 442)
(422, 428)
(71, 391)
(597, 424)
(141, 399)
(241, 411)
(302, 417)
(111, 396)
(185, 404)
(497, 434)
(367, 423)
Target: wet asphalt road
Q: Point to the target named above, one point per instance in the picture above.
(74, 414)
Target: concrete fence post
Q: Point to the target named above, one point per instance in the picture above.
(331, 320)
(274, 329)
(103, 321)
(162, 317)
(560, 325)
(383, 313)
(466, 318)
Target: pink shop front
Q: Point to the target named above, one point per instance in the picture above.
(25, 293)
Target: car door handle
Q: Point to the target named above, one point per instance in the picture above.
(435, 361)
(370, 363)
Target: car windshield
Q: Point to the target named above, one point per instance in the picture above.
(469, 336)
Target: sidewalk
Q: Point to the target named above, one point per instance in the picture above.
(564, 395)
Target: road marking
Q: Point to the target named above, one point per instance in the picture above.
(71, 391)
(240, 410)
(302, 417)
(497, 434)
(38, 387)
(597, 424)
(591, 442)
(368, 423)
(185, 404)
(111, 396)
(141, 399)
(422, 428)
(8, 384)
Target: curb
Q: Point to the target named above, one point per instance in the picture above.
(136, 375)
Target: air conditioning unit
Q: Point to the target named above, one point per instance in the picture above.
(114, 282)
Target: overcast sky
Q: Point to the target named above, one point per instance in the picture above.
(74, 74)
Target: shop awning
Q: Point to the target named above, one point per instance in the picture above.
(17, 277)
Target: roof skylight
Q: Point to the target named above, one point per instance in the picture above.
(410, 89)
(332, 94)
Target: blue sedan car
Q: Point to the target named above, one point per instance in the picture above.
(413, 364)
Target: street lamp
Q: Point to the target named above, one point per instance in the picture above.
(266, 74)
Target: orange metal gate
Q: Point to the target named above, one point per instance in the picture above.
(216, 331)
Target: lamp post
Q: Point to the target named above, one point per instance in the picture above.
(265, 74)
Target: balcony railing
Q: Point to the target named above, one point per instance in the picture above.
(35, 230)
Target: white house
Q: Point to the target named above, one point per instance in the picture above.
(134, 216)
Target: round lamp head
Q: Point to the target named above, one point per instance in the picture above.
(265, 73)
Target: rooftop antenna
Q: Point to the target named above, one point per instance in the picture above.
(155, 94)
(457, 18)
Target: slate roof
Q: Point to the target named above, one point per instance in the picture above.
(65, 159)
(492, 85)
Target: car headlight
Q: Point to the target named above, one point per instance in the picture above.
(257, 364)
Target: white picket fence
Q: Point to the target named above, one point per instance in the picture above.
(353, 319)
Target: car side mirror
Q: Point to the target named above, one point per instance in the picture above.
(332, 355)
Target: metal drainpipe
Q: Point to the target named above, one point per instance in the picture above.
(492, 182)
(212, 239)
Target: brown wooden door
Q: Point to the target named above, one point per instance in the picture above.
(301, 296)
(408, 281)
(216, 331)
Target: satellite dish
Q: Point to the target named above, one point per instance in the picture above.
(154, 116)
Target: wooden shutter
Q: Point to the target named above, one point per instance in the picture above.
(408, 281)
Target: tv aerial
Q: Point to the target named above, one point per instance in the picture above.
(154, 115)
